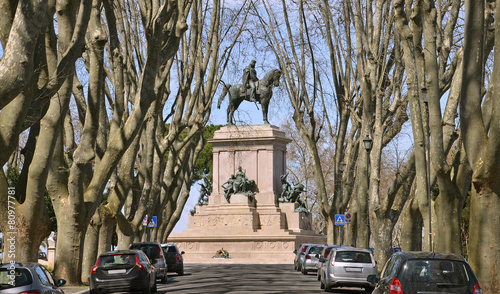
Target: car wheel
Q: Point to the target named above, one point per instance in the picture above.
(93, 291)
(369, 289)
(181, 272)
(155, 288)
(321, 285)
(164, 279)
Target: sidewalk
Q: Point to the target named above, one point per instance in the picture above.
(75, 289)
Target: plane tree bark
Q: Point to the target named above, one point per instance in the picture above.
(92, 165)
(433, 61)
(480, 131)
(32, 215)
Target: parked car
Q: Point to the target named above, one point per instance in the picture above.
(299, 255)
(28, 277)
(42, 255)
(153, 251)
(348, 267)
(322, 257)
(414, 272)
(173, 258)
(123, 270)
(311, 258)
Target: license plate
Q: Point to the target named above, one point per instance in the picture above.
(117, 271)
(353, 269)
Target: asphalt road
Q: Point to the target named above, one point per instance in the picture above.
(233, 278)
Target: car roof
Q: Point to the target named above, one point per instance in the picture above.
(350, 248)
(429, 255)
(145, 243)
(120, 252)
(21, 264)
(167, 244)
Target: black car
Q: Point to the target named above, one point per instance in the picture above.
(173, 258)
(123, 270)
(429, 272)
(153, 251)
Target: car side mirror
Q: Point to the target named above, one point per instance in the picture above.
(61, 282)
(182, 252)
(372, 279)
(295, 251)
(321, 259)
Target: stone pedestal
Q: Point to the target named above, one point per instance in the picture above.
(257, 230)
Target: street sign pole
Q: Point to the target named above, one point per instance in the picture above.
(348, 220)
(339, 237)
(347, 235)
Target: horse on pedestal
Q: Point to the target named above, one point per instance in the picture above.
(239, 93)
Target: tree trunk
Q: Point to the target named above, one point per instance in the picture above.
(482, 146)
(90, 251)
(411, 229)
(363, 228)
(448, 210)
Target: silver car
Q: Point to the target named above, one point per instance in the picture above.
(28, 277)
(299, 255)
(322, 257)
(348, 267)
(311, 258)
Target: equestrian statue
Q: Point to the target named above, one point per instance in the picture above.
(252, 89)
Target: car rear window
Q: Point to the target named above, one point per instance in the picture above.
(150, 250)
(11, 278)
(436, 271)
(169, 249)
(316, 250)
(353, 256)
(116, 259)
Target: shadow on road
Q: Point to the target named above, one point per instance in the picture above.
(232, 278)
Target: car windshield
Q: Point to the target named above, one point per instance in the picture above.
(116, 259)
(353, 256)
(10, 278)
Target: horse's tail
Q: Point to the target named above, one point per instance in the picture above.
(223, 95)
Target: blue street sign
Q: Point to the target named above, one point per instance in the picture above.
(339, 219)
(152, 223)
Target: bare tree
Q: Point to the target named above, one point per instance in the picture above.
(427, 46)
(35, 87)
(479, 127)
(77, 190)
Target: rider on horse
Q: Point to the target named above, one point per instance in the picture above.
(250, 80)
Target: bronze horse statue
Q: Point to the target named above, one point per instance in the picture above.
(239, 93)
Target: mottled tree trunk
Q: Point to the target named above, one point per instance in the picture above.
(448, 211)
(480, 136)
(90, 249)
(411, 229)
